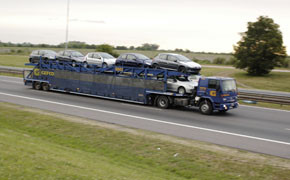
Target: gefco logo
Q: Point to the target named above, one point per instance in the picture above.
(118, 69)
(38, 72)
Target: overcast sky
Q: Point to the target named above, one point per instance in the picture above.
(198, 25)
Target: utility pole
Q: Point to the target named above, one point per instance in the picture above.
(67, 22)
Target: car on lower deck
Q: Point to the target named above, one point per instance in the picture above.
(181, 85)
(133, 59)
(100, 59)
(175, 62)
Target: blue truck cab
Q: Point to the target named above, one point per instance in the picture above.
(216, 93)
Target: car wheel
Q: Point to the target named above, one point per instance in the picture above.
(205, 107)
(45, 86)
(163, 102)
(37, 85)
(104, 65)
(155, 66)
(30, 60)
(182, 69)
(86, 64)
(181, 90)
(74, 63)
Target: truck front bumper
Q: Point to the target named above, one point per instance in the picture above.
(227, 106)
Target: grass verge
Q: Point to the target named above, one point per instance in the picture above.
(38, 144)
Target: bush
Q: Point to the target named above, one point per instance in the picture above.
(219, 60)
(231, 61)
(201, 61)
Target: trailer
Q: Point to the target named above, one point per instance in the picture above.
(131, 84)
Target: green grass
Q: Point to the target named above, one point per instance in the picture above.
(45, 146)
(13, 60)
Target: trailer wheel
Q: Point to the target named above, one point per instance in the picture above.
(37, 85)
(205, 107)
(45, 86)
(163, 102)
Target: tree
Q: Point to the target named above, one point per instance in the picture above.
(148, 47)
(261, 47)
(108, 49)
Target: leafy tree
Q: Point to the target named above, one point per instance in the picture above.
(121, 48)
(148, 47)
(107, 48)
(261, 47)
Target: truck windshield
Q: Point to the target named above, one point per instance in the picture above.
(229, 85)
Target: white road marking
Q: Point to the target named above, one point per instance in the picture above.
(143, 107)
(12, 77)
(149, 119)
(12, 81)
(288, 129)
(266, 108)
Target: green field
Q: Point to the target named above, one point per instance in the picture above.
(37, 144)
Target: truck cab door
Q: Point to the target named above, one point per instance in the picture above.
(213, 89)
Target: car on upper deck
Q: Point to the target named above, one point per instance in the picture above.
(70, 55)
(35, 55)
(175, 62)
(100, 59)
(133, 59)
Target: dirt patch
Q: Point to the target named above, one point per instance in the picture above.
(236, 154)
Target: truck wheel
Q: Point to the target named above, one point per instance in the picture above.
(205, 107)
(163, 102)
(45, 86)
(181, 90)
(37, 85)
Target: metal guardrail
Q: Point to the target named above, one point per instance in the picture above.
(12, 70)
(264, 96)
(244, 94)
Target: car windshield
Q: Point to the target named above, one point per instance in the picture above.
(49, 52)
(76, 54)
(229, 85)
(183, 58)
(182, 78)
(141, 56)
(106, 56)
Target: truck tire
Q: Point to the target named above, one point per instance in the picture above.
(45, 86)
(37, 85)
(163, 102)
(205, 107)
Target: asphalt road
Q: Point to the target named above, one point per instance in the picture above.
(254, 129)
